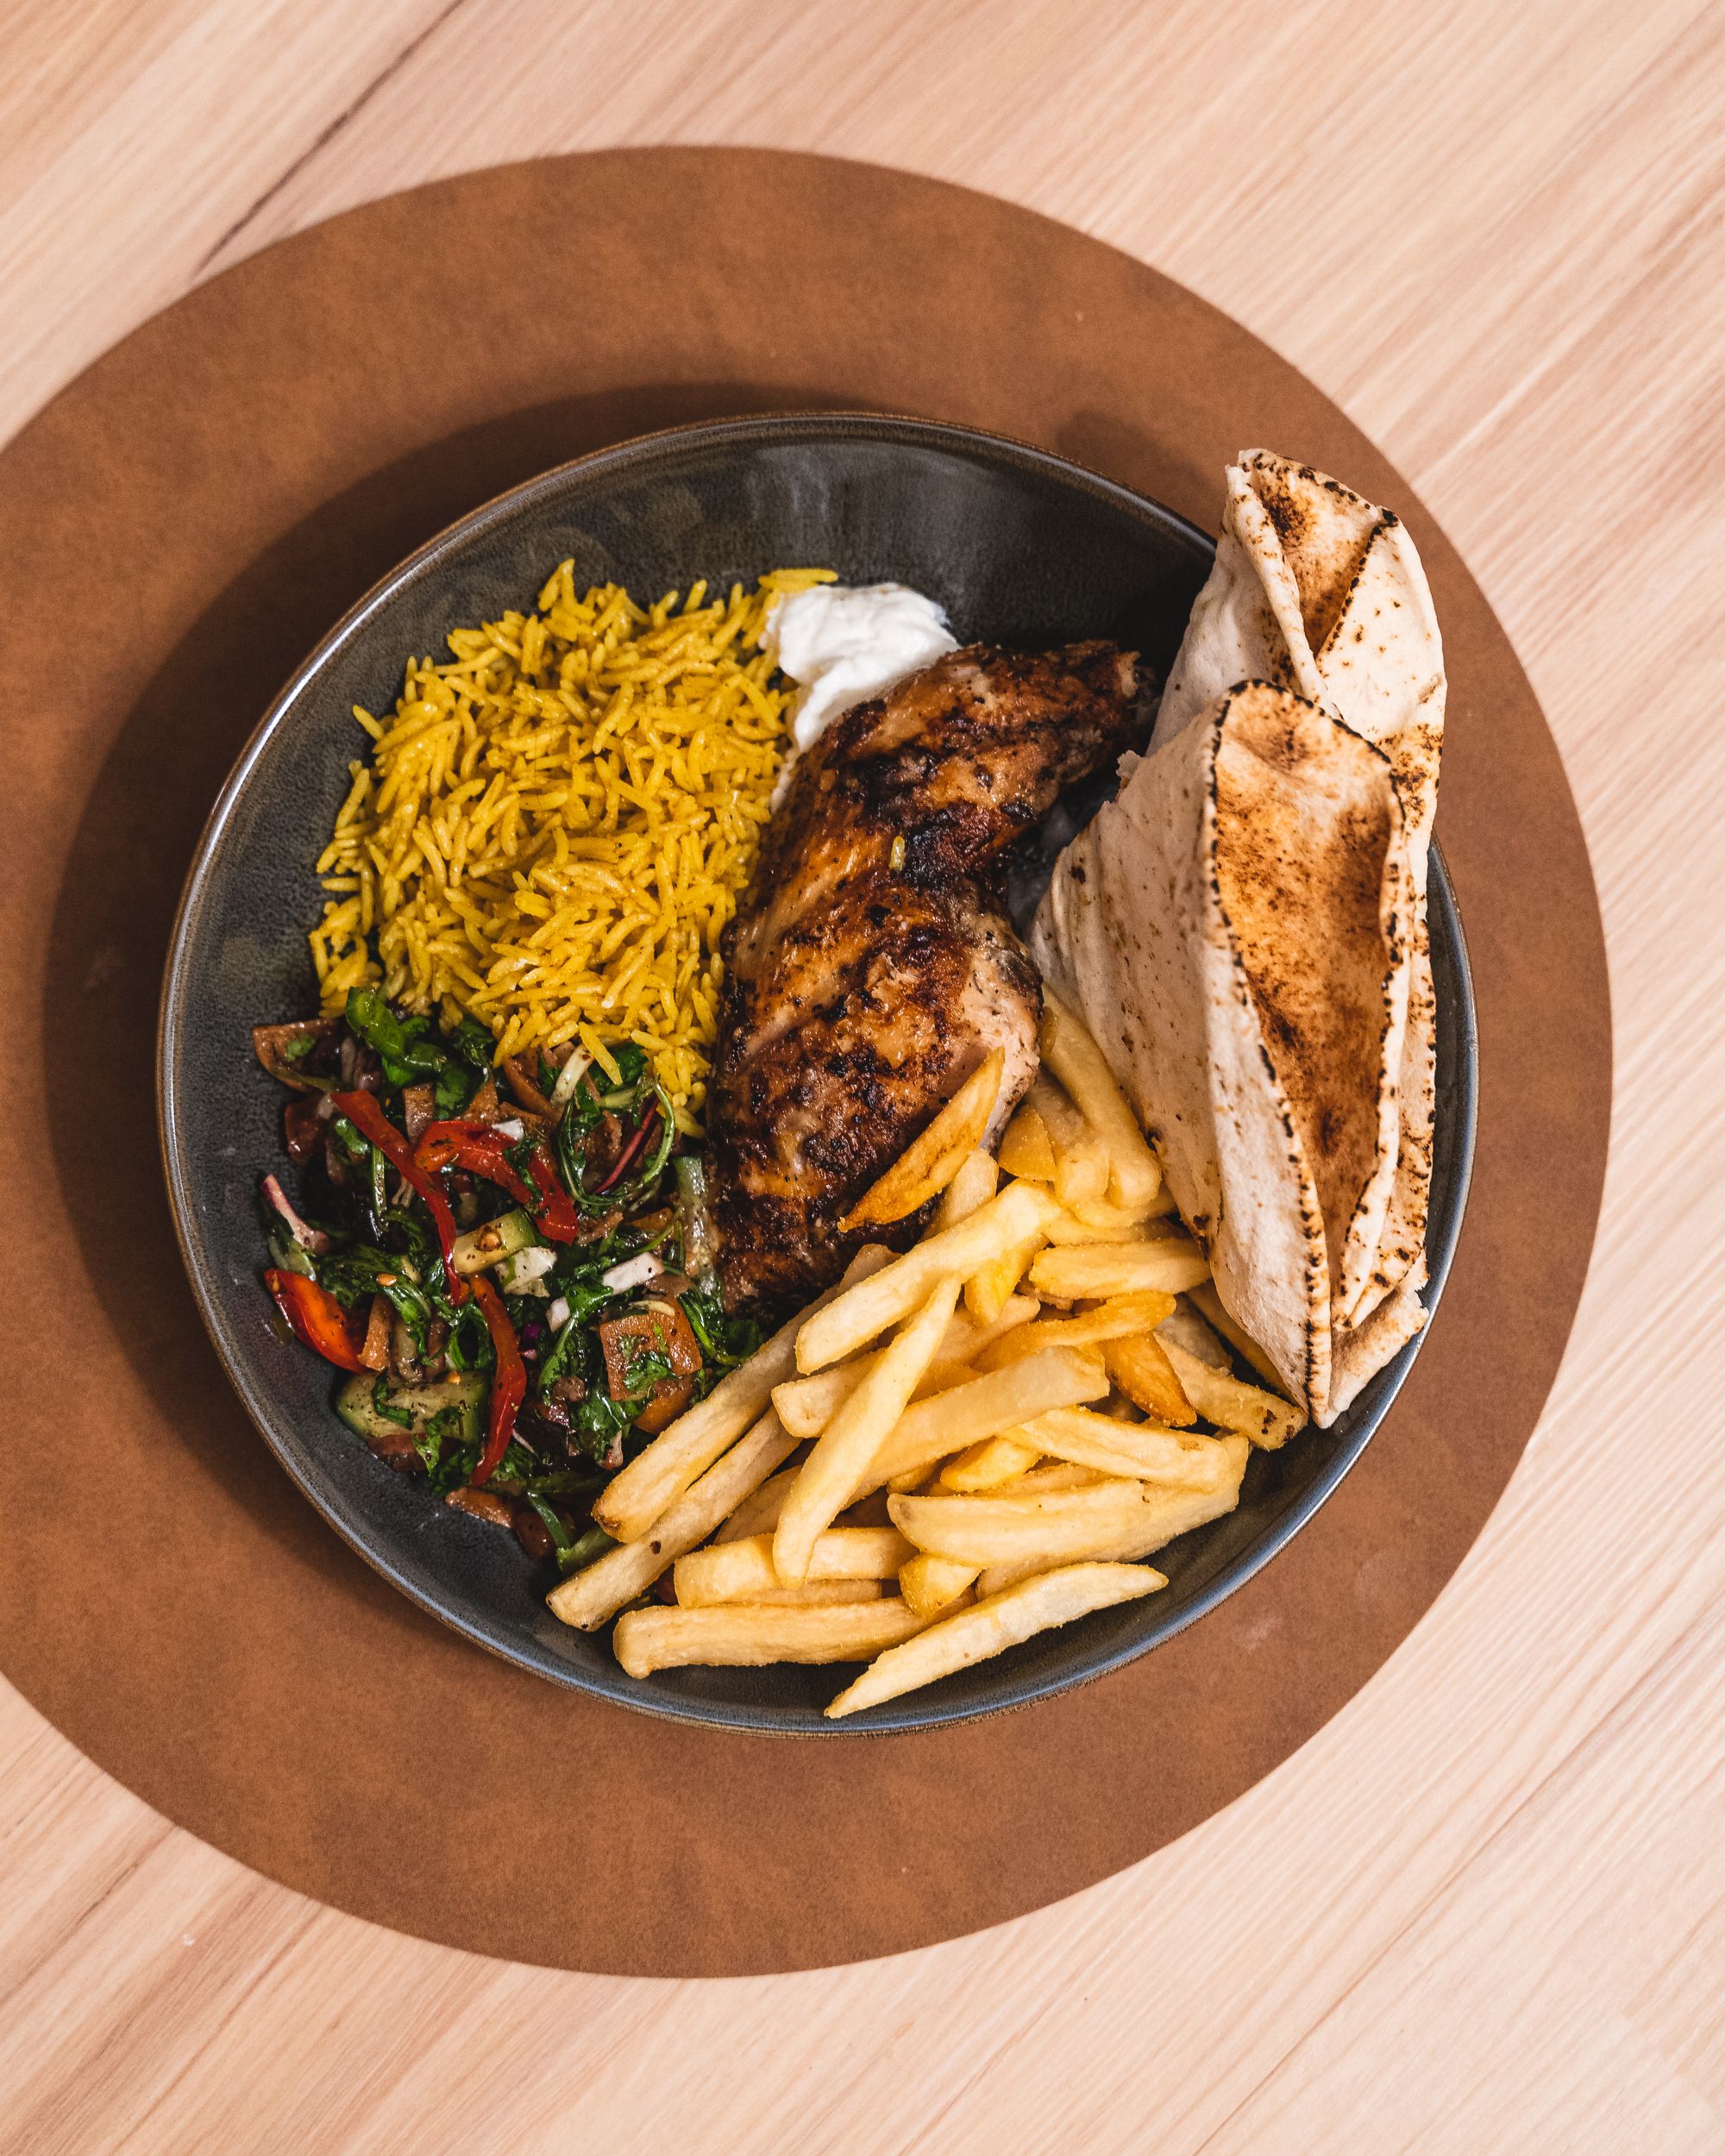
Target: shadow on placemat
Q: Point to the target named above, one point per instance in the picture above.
(135, 843)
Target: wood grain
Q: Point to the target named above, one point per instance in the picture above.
(1485, 1909)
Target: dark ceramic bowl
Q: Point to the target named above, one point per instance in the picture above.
(1020, 548)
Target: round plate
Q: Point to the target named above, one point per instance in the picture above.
(1020, 548)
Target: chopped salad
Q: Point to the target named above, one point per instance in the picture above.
(513, 1268)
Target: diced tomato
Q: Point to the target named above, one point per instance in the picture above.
(628, 1341)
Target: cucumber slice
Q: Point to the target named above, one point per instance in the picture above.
(357, 1408)
(524, 1273)
(497, 1239)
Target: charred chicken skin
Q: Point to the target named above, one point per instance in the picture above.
(871, 967)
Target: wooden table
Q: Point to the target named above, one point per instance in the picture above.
(1485, 1909)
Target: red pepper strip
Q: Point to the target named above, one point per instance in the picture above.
(362, 1111)
(477, 1147)
(508, 1383)
(316, 1318)
(629, 1150)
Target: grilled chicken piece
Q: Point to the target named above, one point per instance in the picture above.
(866, 979)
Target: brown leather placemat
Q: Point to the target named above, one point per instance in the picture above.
(176, 530)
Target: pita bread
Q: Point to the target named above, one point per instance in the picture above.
(1236, 930)
(1319, 590)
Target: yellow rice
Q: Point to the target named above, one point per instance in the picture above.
(555, 823)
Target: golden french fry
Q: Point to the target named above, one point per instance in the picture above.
(966, 1337)
(809, 1404)
(1173, 1513)
(806, 1405)
(932, 1429)
(994, 1460)
(1209, 1304)
(843, 1451)
(988, 1628)
(989, 1289)
(758, 1513)
(919, 1477)
(1103, 1213)
(1140, 1367)
(1137, 1451)
(1024, 1149)
(1002, 1529)
(750, 1633)
(863, 1312)
(1082, 1166)
(1067, 1227)
(1186, 1329)
(1113, 1269)
(1113, 1320)
(656, 1477)
(588, 1598)
(976, 1182)
(1072, 1055)
(992, 1530)
(1052, 1475)
(812, 1595)
(927, 1166)
(930, 1584)
(1221, 1398)
(743, 1571)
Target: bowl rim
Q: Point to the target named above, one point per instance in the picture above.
(917, 1710)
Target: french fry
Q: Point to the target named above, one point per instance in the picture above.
(758, 1513)
(1082, 1166)
(1055, 1527)
(988, 1628)
(1209, 1304)
(928, 1165)
(1137, 1451)
(1114, 1320)
(812, 1595)
(994, 1460)
(1112, 1268)
(1051, 1475)
(1103, 1213)
(932, 1429)
(989, 1289)
(985, 1531)
(930, 1585)
(747, 1634)
(1138, 1364)
(1024, 1149)
(1072, 1055)
(976, 1182)
(743, 1571)
(864, 1312)
(657, 1477)
(841, 1455)
(920, 1477)
(588, 1598)
(1221, 1398)
(1173, 1512)
(1186, 1329)
(1069, 1227)
(806, 1405)
(965, 1338)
